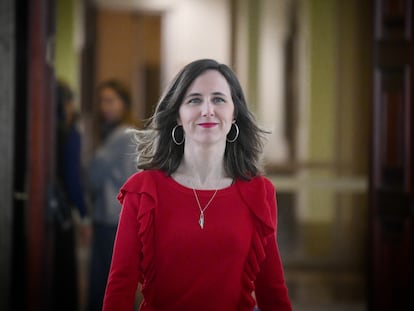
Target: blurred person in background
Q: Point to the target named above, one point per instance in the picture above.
(110, 166)
(69, 195)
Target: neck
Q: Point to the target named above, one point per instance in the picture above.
(203, 166)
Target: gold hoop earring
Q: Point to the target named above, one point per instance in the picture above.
(178, 143)
(236, 136)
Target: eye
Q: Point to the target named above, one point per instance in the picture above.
(194, 100)
(218, 100)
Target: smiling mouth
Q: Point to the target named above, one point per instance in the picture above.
(207, 125)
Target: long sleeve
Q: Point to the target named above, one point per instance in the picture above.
(124, 272)
(270, 287)
(271, 291)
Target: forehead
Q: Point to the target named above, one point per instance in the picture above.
(208, 82)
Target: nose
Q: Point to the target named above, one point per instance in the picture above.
(207, 109)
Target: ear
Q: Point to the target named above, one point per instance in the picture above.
(179, 122)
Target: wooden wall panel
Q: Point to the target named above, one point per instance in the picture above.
(393, 111)
(392, 195)
(41, 147)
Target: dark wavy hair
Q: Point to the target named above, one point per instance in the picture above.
(155, 147)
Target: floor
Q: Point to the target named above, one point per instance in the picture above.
(326, 291)
(329, 307)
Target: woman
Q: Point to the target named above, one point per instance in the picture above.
(110, 167)
(197, 226)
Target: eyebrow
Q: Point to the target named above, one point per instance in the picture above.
(199, 94)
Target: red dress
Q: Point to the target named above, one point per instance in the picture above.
(182, 267)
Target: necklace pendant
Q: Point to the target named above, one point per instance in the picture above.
(201, 221)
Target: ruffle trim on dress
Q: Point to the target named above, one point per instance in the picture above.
(255, 194)
(143, 183)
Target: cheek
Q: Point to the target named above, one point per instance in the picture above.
(116, 110)
(180, 117)
(229, 125)
(184, 117)
(119, 107)
(229, 113)
(233, 112)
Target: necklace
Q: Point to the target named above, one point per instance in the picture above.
(201, 219)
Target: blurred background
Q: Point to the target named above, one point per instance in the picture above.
(331, 79)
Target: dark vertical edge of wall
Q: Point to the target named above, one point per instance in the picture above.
(87, 73)
(7, 28)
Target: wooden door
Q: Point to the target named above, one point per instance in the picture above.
(392, 176)
(40, 88)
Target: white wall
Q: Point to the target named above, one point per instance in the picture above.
(269, 105)
(193, 29)
(271, 80)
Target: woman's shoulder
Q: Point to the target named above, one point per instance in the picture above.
(258, 194)
(142, 178)
(258, 185)
(142, 182)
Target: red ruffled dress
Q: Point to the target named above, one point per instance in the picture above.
(182, 267)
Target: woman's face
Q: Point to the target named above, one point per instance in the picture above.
(111, 106)
(69, 109)
(207, 110)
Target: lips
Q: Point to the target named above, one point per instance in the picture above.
(207, 124)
